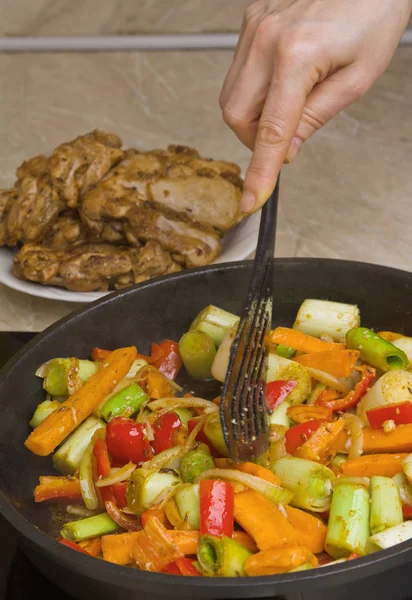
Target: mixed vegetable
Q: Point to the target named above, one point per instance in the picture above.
(146, 476)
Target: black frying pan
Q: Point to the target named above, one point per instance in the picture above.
(151, 312)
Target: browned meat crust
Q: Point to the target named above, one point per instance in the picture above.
(78, 165)
(92, 267)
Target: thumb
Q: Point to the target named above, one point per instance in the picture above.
(324, 102)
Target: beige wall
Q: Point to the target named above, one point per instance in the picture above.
(81, 17)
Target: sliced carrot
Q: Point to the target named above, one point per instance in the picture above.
(117, 548)
(155, 548)
(248, 467)
(278, 560)
(158, 386)
(186, 541)
(58, 488)
(390, 336)
(59, 424)
(339, 363)
(92, 546)
(301, 413)
(154, 511)
(376, 440)
(263, 521)
(311, 530)
(322, 445)
(386, 465)
(246, 540)
(301, 341)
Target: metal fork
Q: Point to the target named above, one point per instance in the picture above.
(243, 404)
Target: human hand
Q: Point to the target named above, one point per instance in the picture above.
(297, 64)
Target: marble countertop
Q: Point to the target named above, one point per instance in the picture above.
(348, 195)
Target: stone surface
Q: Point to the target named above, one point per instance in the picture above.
(348, 195)
(105, 17)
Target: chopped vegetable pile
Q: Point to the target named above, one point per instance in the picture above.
(146, 476)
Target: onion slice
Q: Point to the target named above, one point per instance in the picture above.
(172, 403)
(273, 492)
(328, 380)
(122, 474)
(354, 426)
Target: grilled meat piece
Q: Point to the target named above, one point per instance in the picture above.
(6, 198)
(196, 244)
(92, 267)
(66, 233)
(34, 204)
(205, 191)
(78, 165)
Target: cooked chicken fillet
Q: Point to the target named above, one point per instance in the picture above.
(78, 165)
(198, 245)
(91, 267)
(66, 233)
(35, 203)
(206, 191)
(6, 198)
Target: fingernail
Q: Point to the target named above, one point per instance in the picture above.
(294, 149)
(247, 202)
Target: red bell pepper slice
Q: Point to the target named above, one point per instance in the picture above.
(170, 362)
(100, 354)
(202, 437)
(324, 559)
(126, 441)
(182, 566)
(187, 568)
(354, 396)
(119, 493)
(277, 391)
(172, 569)
(73, 546)
(407, 511)
(400, 413)
(163, 429)
(299, 434)
(102, 462)
(216, 507)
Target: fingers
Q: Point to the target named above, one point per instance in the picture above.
(325, 101)
(278, 123)
(250, 23)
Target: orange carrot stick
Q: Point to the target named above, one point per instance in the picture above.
(248, 467)
(322, 445)
(58, 488)
(186, 541)
(311, 530)
(117, 548)
(390, 336)
(93, 546)
(301, 341)
(386, 465)
(376, 440)
(339, 363)
(301, 413)
(59, 424)
(263, 521)
(278, 560)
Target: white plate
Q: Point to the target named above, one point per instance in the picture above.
(238, 244)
